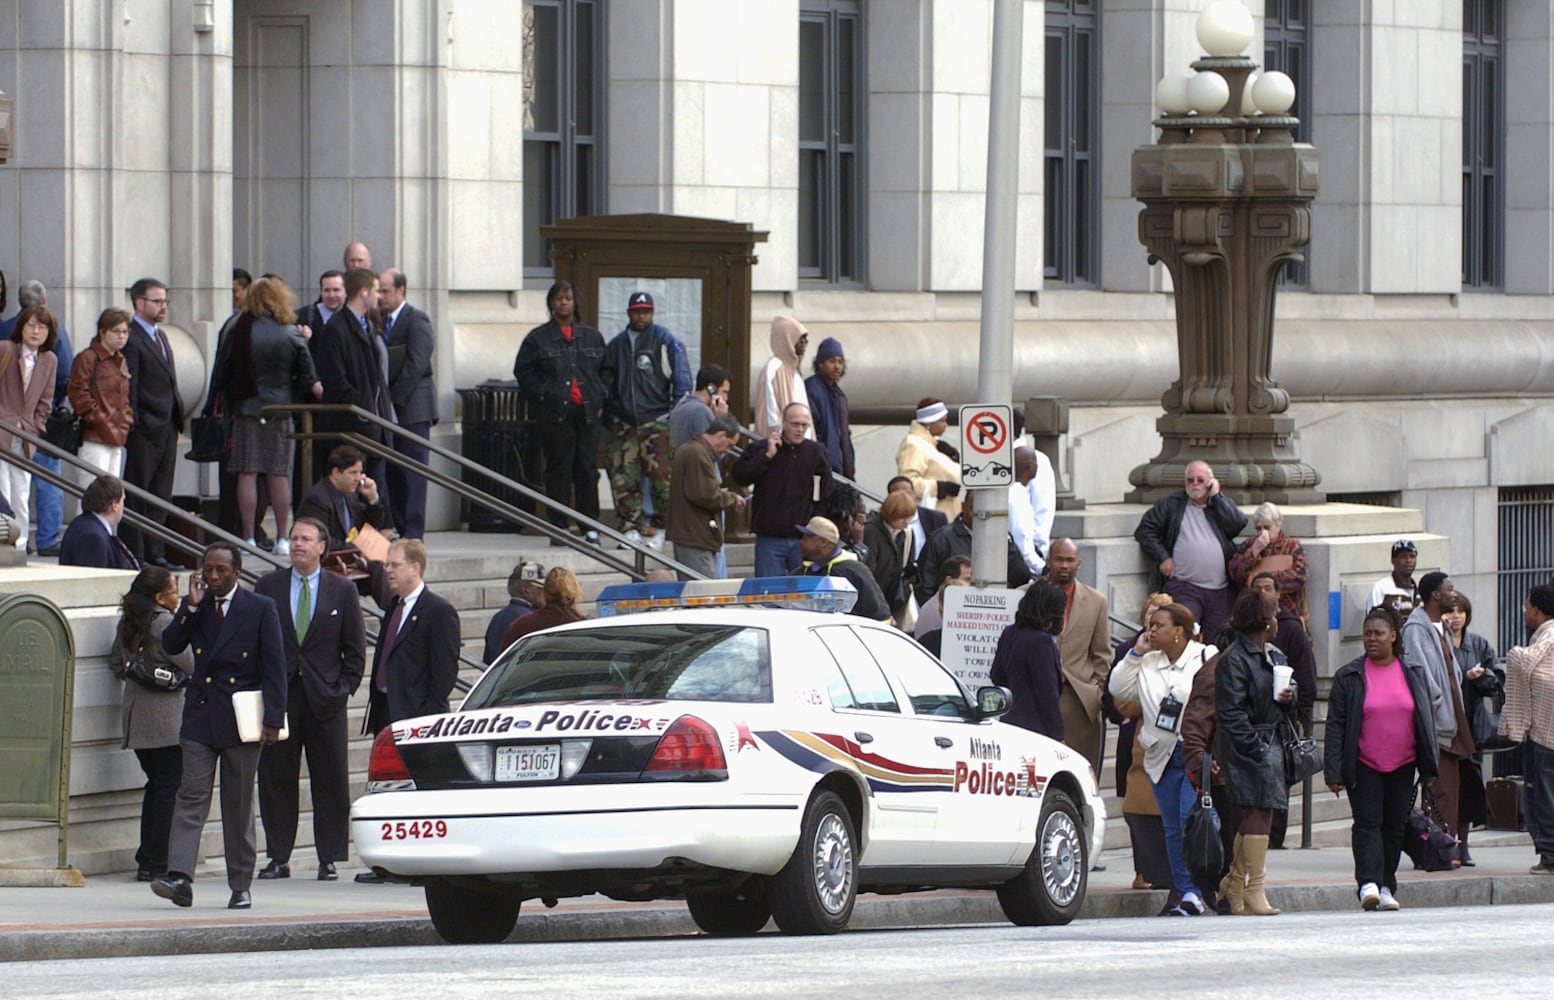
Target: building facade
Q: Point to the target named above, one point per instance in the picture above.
(180, 138)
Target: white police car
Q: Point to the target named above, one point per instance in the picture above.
(759, 763)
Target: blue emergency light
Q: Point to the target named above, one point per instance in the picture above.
(806, 593)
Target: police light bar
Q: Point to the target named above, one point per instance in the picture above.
(807, 593)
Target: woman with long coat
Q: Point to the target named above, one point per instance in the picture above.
(152, 717)
(1483, 686)
(27, 366)
(892, 552)
(1249, 744)
(1028, 663)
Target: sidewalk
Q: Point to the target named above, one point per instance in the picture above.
(116, 916)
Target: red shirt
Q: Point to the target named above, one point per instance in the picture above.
(575, 396)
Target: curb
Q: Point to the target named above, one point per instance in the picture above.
(672, 920)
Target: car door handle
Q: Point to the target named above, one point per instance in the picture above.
(943, 741)
(863, 737)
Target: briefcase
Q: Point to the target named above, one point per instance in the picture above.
(1503, 796)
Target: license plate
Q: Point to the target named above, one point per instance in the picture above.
(541, 762)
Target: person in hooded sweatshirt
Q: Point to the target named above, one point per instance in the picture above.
(781, 382)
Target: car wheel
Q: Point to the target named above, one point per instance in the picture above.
(464, 916)
(1051, 889)
(730, 914)
(815, 891)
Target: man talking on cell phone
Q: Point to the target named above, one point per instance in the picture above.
(236, 635)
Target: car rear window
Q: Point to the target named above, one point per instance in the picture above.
(647, 661)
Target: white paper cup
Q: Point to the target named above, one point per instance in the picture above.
(1282, 676)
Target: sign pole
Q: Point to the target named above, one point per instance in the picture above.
(995, 377)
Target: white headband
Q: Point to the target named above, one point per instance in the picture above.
(933, 411)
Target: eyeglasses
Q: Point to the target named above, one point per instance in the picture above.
(156, 302)
(395, 565)
(1197, 479)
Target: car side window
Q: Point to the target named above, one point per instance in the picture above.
(853, 679)
(930, 688)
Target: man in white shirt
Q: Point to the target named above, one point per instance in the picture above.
(1396, 589)
(1030, 538)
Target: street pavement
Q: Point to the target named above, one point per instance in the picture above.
(113, 915)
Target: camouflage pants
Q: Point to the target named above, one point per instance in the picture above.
(635, 455)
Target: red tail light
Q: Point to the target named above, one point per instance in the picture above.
(386, 764)
(689, 745)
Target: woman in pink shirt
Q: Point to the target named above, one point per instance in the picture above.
(1379, 735)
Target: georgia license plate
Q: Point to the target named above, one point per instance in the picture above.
(541, 762)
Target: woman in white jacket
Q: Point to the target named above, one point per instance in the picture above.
(1157, 673)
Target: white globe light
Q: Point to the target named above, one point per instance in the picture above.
(1274, 93)
(1225, 28)
(1208, 93)
(1248, 106)
(1171, 94)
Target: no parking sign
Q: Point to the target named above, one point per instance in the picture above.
(987, 445)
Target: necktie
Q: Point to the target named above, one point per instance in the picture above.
(345, 514)
(126, 557)
(388, 325)
(221, 610)
(304, 615)
(386, 640)
(160, 340)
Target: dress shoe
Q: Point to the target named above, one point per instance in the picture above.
(276, 869)
(371, 878)
(240, 900)
(144, 875)
(160, 562)
(326, 872)
(175, 887)
(49, 551)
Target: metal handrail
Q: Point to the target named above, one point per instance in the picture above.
(636, 569)
(167, 535)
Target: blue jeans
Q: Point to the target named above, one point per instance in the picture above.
(1175, 796)
(49, 511)
(776, 556)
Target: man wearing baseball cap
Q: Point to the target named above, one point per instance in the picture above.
(645, 374)
(526, 593)
(1396, 589)
(820, 543)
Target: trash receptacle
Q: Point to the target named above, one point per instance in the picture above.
(498, 435)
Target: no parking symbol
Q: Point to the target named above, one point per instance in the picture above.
(987, 446)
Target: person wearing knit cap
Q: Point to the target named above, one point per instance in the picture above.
(828, 405)
(932, 465)
(781, 380)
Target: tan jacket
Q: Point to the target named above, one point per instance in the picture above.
(695, 498)
(1529, 689)
(918, 458)
(1086, 647)
(26, 408)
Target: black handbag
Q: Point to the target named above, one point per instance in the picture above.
(1425, 839)
(1301, 758)
(154, 676)
(1486, 724)
(63, 429)
(1201, 847)
(210, 439)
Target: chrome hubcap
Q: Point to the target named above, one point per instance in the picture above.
(833, 860)
(1062, 859)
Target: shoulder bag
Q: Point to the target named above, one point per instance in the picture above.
(1425, 839)
(63, 427)
(1301, 757)
(154, 676)
(1201, 847)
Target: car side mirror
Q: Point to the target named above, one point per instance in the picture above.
(992, 701)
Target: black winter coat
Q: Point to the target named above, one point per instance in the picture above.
(1158, 528)
(790, 487)
(1346, 711)
(1248, 742)
(547, 362)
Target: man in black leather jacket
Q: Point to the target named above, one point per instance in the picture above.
(1187, 537)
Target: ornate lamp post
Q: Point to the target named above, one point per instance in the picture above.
(1226, 193)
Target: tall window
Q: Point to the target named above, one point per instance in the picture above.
(1483, 146)
(831, 116)
(1287, 48)
(563, 118)
(1073, 104)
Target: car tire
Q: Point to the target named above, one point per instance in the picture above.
(815, 891)
(1051, 889)
(465, 916)
(730, 914)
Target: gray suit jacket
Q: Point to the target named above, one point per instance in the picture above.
(411, 387)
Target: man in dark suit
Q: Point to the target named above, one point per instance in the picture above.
(236, 636)
(408, 333)
(326, 654)
(346, 355)
(331, 297)
(92, 538)
(345, 498)
(151, 451)
(417, 657)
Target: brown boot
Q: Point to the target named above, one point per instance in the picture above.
(1254, 851)
(1233, 885)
